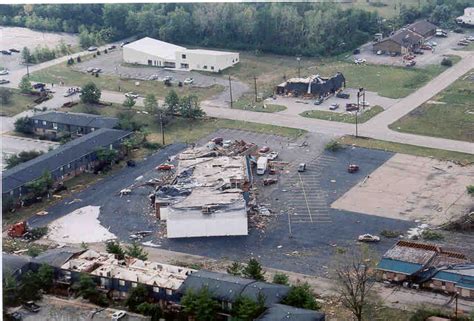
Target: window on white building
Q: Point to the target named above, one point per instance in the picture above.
(36, 121)
(169, 292)
(44, 122)
(156, 289)
(204, 67)
(134, 284)
(121, 282)
(183, 56)
(55, 125)
(92, 129)
(212, 67)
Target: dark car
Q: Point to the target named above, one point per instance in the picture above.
(318, 101)
(351, 107)
(31, 306)
(356, 51)
(39, 85)
(14, 50)
(4, 81)
(342, 95)
(6, 52)
(131, 163)
(14, 316)
(112, 47)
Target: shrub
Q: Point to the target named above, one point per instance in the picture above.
(446, 62)
(431, 235)
(23, 125)
(390, 234)
(333, 146)
(152, 146)
(470, 190)
(281, 278)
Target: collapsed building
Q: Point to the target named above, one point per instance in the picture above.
(208, 196)
(312, 86)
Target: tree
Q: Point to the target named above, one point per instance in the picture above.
(254, 270)
(22, 157)
(41, 185)
(129, 102)
(25, 86)
(106, 156)
(10, 290)
(114, 247)
(30, 287)
(281, 278)
(301, 296)
(172, 102)
(5, 95)
(45, 277)
(149, 309)
(354, 277)
(189, 107)
(138, 295)
(26, 56)
(24, 125)
(137, 251)
(235, 269)
(200, 304)
(151, 104)
(90, 94)
(246, 309)
(87, 288)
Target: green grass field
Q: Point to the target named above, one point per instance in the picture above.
(18, 103)
(450, 114)
(388, 81)
(247, 102)
(69, 76)
(186, 130)
(386, 8)
(440, 154)
(343, 117)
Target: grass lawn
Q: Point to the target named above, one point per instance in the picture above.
(450, 114)
(387, 8)
(461, 158)
(388, 81)
(247, 102)
(61, 72)
(18, 103)
(186, 130)
(343, 117)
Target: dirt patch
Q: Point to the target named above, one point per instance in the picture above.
(412, 188)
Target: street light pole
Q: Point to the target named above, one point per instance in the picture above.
(299, 66)
(255, 84)
(162, 131)
(230, 91)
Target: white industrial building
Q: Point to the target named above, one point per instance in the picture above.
(468, 18)
(153, 52)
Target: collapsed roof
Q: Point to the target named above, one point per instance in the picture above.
(313, 85)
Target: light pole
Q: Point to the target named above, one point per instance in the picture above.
(299, 66)
(255, 85)
(230, 91)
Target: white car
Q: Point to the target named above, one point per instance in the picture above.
(131, 95)
(470, 38)
(92, 48)
(4, 72)
(188, 81)
(118, 315)
(368, 238)
(379, 52)
(272, 155)
(359, 61)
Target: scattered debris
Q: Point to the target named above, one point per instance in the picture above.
(42, 213)
(125, 191)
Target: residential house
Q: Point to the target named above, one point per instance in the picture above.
(428, 266)
(400, 43)
(64, 162)
(423, 28)
(55, 124)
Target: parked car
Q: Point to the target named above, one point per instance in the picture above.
(188, 81)
(470, 38)
(4, 81)
(426, 47)
(264, 149)
(379, 52)
(463, 43)
(112, 47)
(418, 52)
(118, 315)
(153, 77)
(31, 306)
(272, 156)
(132, 95)
(89, 69)
(124, 43)
(4, 72)
(167, 78)
(351, 107)
(432, 43)
(368, 238)
(14, 50)
(96, 70)
(318, 101)
(394, 54)
(39, 85)
(6, 52)
(92, 48)
(334, 106)
(360, 61)
(409, 57)
(356, 51)
(164, 167)
(410, 63)
(14, 316)
(217, 140)
(342, 95)
(302, 167)
(131, 163)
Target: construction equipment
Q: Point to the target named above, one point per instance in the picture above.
(18, 229)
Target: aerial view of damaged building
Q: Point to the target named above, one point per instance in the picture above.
(208, 194)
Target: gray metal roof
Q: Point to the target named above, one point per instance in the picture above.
(63, 155)
(422, 27)
(280, 312)
(77, 119)
(226, 287)
(12, 263)
(273, 293)
(57, 257)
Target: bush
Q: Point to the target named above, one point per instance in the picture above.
(390, 234)
(423, 314)
(470, 190)
(431, 235)
(38, 232)
(152, 146)
(446, 62)
(281, 278)
(23, 125)
(333, 146)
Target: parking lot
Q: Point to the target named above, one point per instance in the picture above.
(444, 46)
(295, 106)
(111, 64)
(17, 38)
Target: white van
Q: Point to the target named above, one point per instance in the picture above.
(262, 163)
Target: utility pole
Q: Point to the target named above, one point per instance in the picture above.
(162, 129)
(456, 311)
(230, 91)
(27, 70)
(357, 111)
(255, 83)
(299, 66)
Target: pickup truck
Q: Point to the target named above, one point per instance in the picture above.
(351, 107)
